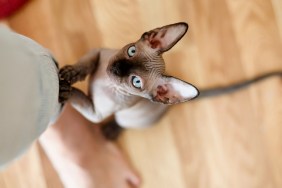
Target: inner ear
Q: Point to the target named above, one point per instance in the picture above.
(170, 90)
(164, 38)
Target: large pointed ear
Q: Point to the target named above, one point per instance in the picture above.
(170, 90)
(164, 38)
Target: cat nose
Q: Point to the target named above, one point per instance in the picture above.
(121, 68)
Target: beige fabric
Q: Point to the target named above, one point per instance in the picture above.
(28, 95)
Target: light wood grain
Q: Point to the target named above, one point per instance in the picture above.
(229, 141)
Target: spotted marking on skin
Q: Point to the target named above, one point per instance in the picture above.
(161, 90)
(154, 44)
(161, 95)
(151, 38)
(164, 96)
(153, 34)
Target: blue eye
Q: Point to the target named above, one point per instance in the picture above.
(136, 82)
(131, 51)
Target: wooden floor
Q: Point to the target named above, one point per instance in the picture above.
(232, 141)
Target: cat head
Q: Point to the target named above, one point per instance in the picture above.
(140, 68)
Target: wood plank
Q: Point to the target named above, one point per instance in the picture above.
(229, 141)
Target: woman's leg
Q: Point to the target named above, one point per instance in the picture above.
(83, 157)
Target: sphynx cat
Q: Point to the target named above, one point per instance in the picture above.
(131, 83)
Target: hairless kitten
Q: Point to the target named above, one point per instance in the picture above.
(131, 83)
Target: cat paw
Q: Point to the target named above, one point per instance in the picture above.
(64, 90)
(69, 74)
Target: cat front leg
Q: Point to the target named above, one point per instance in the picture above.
(84, 105)
(85, 66)
(70, 74)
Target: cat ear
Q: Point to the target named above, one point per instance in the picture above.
(164, 38)
(170, 90)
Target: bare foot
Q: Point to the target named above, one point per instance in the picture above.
(83, 157)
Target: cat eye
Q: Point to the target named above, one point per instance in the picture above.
(131, 51)
(136, 82)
